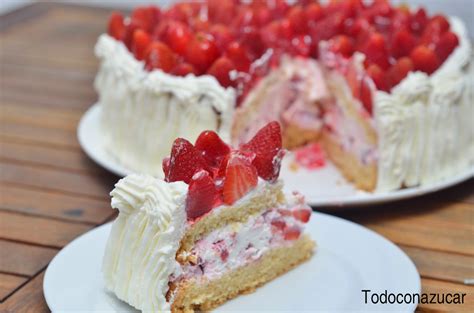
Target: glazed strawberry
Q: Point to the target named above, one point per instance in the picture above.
(262, 16)
(267, 146)
(185, 160)
(375, 72)
(402, 43)
(116, 27)
(270, 34)
(297, 19)
(400, 70)
(341, 44)
(222, 35)
(313, 13)
(177, 36)
(441, 21)
(240, 178)
(145, 17)
(212, 147)
(183, 69)
(419, 21)
(220, 69)
(302, 214)
(447, 43)
(202, 195)
(221, 11)
(140, 43)
(301, 45)
(292, 233)
(285, 30)
(431, 35)
(160, 56)
(202, 51)
(239, 56)
(424, 59)
(376, 50)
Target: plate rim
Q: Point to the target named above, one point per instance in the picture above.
(357, 200)
(411, 267)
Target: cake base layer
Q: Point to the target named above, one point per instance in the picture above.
(194, 296)
(362, 176)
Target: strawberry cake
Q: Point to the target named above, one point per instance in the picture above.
(384, 89)
(217, 226)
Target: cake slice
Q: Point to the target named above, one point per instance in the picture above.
(218, 226)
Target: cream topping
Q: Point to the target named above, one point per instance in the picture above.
(145, 111)
(424, 134)
(140, 253)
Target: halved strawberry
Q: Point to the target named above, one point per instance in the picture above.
(212, 147)
(185, 161)
(159, 55)
(446, 45)
(116, 27)
(220, 69)
(266, 145)
(400, 70)
(302, 214)
(202, 195)
(140, 43)
(424, 59)
(183, 69)
(240, 177)
(202, 51)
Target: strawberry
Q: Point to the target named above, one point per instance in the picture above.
(202, 51)
(376, 50)
(301, 45)
(292, 233)
(239, 55)
(202, 195)
(266, 145)
(270, 34)
(302, 214)
(116, 27)
(221, 11)
(212, 147)
(314, 12)
(442, 22)
(424, 59)
(297, 19)
(418, 21)
(278, 225)
(140, 43)
(220, 69)
(183, 69)
(185, 160)
(145, 17)
(342, 44)
(222, 35)
(285, 29)
(240, 178)
(177, 36)
(402, 43)
(400, 70)
(446, 45)
(160, 56)
(378, 76)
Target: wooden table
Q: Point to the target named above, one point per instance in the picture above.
(50, 192)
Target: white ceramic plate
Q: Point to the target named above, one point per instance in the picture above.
(322, 187)
(349, 258)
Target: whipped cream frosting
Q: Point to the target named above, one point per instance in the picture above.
(424, 126)
(140, 252)
(143, 112)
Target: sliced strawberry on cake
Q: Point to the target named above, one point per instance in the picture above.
(199, 238)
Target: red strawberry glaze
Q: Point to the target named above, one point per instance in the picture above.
(216, 173)
(216, 37)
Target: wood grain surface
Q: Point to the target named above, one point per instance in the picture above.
(50, 192)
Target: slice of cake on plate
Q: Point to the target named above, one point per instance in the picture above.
(387, 90)
(218, 226)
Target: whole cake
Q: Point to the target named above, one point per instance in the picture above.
(218, 226)
(387, 90)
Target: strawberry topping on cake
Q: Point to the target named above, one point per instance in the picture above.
(217, 174)
(238, 43)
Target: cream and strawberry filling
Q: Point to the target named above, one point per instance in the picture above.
(239, 244)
